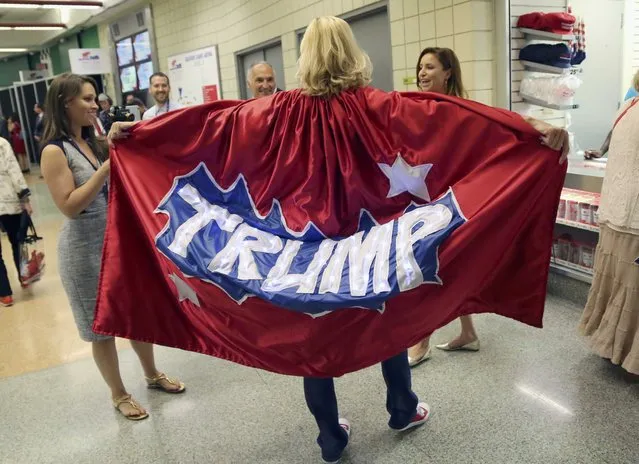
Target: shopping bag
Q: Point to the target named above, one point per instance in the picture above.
(31, 258)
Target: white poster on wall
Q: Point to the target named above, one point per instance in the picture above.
(89, 61)
(194, 76)
(30, 75)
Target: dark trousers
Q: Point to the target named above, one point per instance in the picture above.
(401, 404)
(11, 224)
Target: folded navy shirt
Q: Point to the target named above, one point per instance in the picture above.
(549, 54)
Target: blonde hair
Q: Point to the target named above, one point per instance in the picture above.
(330, 59)
(635, 81)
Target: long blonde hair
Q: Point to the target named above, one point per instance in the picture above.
(330, 59)
(635, 81)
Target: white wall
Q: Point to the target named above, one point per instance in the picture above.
(632, 13)
(599, 94)
(464, 26)
(631, 44)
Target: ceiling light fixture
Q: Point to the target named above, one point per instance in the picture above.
(51, 4)
(12, 50)
(32, 26)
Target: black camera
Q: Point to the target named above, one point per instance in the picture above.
(120, 114)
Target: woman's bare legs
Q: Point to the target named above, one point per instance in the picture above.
(467, 335)
(105, 355)
(416, 352)
(147, 359)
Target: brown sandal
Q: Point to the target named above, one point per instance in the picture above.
(128, 399)
(156, 382)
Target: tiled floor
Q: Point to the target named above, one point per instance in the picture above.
(529, 396)
(39, 331)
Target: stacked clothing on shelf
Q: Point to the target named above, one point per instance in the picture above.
(557, 55)
(563, 51)
(555, 90)
(579, 44)
(557, 23)
(562, 24)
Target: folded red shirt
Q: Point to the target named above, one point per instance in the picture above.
(558, 23)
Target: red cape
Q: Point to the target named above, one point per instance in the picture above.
(319, 158)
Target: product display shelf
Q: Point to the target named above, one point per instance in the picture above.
(571, 270)
(577, 210)
(529, 66)
(533, 34)
(544, 104)
(577, 225)
(544, 68)
(590, 168)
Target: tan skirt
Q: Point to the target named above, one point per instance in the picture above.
(611, 316)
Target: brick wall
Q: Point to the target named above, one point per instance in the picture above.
(464, 25)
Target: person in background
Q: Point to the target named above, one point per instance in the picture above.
(38, 129)
(4, 129)
(260, 79)
(76, 169)
(38, 126)
(105, 103)
(610, 319)
(140, 104)
(17, 142)
(160, 90)
(438, 70)
(14, 198)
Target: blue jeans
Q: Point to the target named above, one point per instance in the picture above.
(401, 404)
(11, 224)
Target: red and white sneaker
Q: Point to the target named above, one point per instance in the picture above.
(421, 416)
(343, 423)
(6, 301)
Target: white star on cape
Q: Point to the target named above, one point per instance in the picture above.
(185, 292)
(406, 178)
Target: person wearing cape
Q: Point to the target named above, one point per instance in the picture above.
(328, 228)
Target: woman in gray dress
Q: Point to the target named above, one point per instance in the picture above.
(75, 166)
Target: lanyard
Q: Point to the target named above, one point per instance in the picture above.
(105, 188)
(163, 108)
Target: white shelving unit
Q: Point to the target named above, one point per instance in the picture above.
(533, 34)
(552, 106)
(577, 225)
(582, 167)
(529, 66)
(567, 268)
(544, 68)
(575, 271)
(575, 166)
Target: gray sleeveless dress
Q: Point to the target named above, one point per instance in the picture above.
(80, 247)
